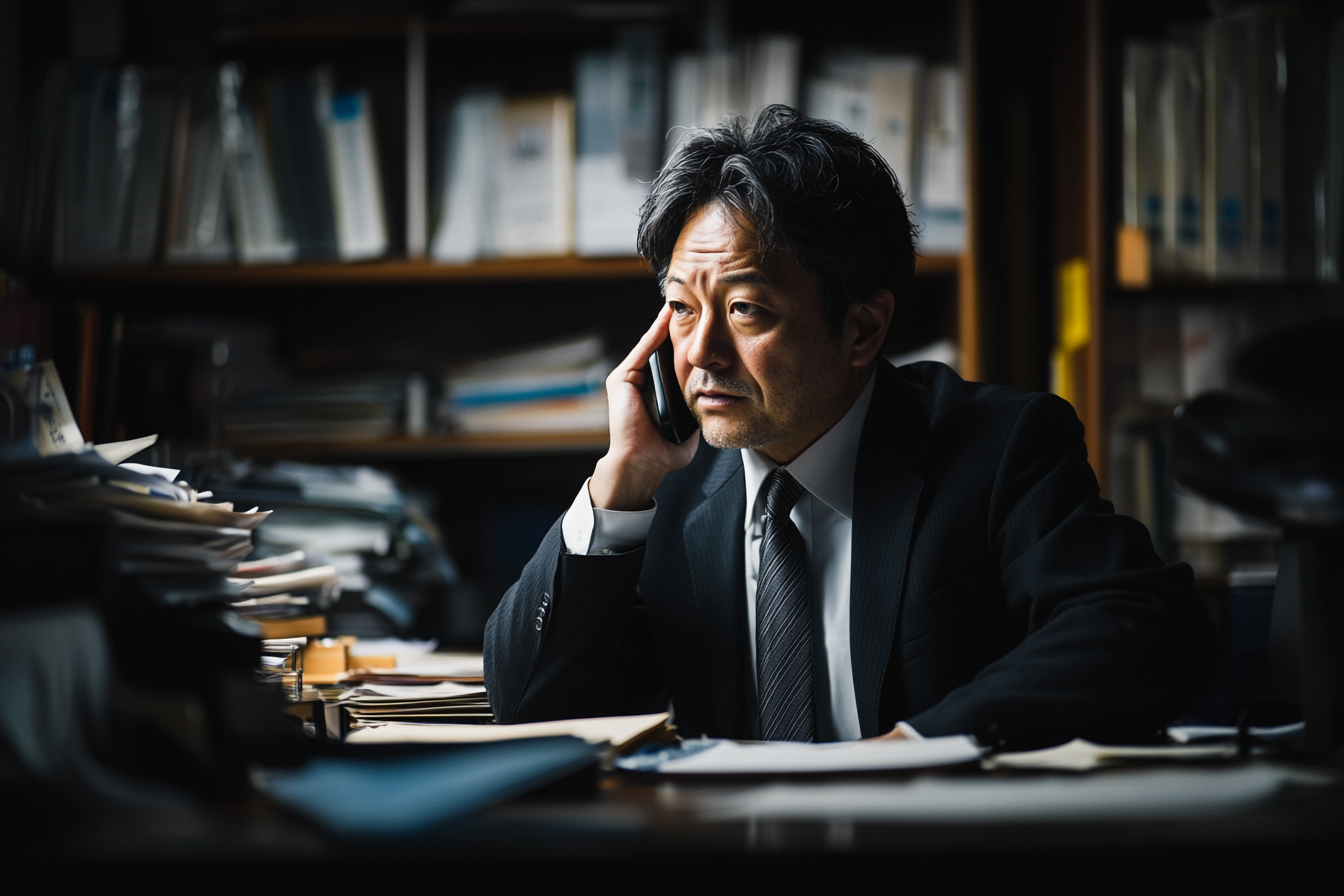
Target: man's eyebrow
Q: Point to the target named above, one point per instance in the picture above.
(752, 277)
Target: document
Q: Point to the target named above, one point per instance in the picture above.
(384, 693)
(615, 730)
(726, 757)
(120, 452)
(1119, 796)
(56, 431)
(280, 583)
(1081, 755)
(218, 515)
(1196, 734)
(461, 665)
(437, 702)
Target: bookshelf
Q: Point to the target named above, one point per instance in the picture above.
(1090, 41)
(399, 307)
(376, 46)
(1151, 329)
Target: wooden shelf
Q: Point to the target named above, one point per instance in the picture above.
(404, 272)
(937, 264)
(435, 446)
(384, 272)
(364, 28)
(1228, 290)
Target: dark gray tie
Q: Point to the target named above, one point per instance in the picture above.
(784, 619)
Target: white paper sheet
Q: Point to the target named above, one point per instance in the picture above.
(372, 693)
(728, 757)
(120, 452)
(1080, 755)
(390, 646)
(463, 665)
(1190, 734)
(1113, 796)
(616, 730)
(163, 472)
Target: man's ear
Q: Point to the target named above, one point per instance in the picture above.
(866, 325)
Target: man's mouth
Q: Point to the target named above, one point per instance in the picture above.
(712, 399)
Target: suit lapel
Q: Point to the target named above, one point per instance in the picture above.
(713, 537)
(886, 497)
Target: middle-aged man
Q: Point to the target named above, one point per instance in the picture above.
(856, 550)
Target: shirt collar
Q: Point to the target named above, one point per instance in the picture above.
(825, 469)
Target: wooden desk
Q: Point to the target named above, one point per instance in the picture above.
(644, 835)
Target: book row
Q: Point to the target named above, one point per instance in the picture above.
(1234, 147)
(133, 166)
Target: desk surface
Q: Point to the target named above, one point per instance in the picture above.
(651, 835)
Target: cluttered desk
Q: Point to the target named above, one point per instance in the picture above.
(609, 800)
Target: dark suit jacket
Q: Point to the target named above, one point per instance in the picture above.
(992, 591)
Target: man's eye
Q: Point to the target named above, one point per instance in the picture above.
(678, 307)
(745, 309)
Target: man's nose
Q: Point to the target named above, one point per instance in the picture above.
(709, 347)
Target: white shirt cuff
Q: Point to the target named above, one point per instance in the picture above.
(908, 731)
(593, 530)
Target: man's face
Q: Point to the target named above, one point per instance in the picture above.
(756, 362)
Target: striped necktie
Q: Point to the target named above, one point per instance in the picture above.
(784, 619)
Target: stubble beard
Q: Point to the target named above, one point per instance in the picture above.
(756, 430)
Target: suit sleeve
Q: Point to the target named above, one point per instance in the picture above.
(570, 639)
(1117, 643)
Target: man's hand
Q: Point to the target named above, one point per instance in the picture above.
(894, 734)
(639, 457)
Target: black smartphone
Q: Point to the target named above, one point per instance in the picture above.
(663, 398)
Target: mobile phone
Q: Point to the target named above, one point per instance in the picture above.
(663, 398)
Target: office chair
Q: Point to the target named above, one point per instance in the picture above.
(1272, 446)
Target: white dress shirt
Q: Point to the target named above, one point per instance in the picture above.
(824, 516)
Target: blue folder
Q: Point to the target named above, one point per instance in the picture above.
(412, 794)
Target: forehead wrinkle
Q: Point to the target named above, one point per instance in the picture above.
(715, 249)
(750, 277)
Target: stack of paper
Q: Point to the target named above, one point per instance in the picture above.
(377, 539)
(346, 408)
(443, 701)
(558, 387)
(172, 543)
(287, 594)
(172, 546)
